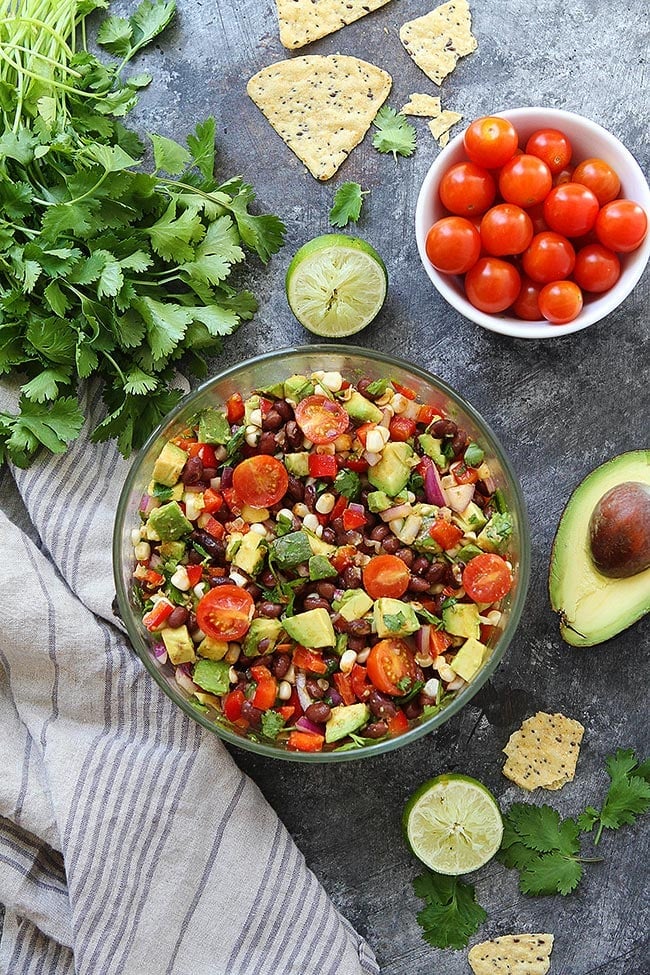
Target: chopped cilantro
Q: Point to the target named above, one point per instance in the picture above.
(427, 616)
(378, 387)
(235, 444)
(272, 724)
(162, 492)
(628, 795)
(394, 621)
(473, 455)
(283, 525)
(348, 483)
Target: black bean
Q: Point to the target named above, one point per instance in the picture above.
(280, 665)
(444, 428)
(318, 712)
(436, 572)
(379, 533)
(362, 386)
(267, 444)
(194, 558)
(314, 601)
(459, 442)
(381, 706)
(264, 645)
(252, 714)
(192, 623)
(253, 590)
(209, 473)
(193, 471)
(220, 581)
(413, 709)
(326, 590)
(314, 689)
(420, 565)
(406, 555)
(359, 627)
(309, 496)
(357, 643)
(391, 545)
(351, 577)
(177, 617)
(269, 610)
(283, 408)
(417, 584)
(272, 421)
(293, 435)
(267, 578)
(336, 524)
(375, 730)
(371, 521)
(213, 546)
(340, 624)
(329, 536)
(295, 489)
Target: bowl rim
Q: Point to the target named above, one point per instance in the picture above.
(600, 307)
(368, 751)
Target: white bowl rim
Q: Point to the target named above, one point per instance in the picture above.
(592, 313)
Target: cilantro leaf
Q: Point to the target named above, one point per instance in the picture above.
(394, 133)
(627, 797)
(452, 913)
(348, 201)
(551, 873)
(427, 616)
(45, 385)
(544, 848)
(201, 146)
(272, 723)
(394, 621)
(169, 155)
(53, 425)
(115, 35)
(348, 483)
(379, 387)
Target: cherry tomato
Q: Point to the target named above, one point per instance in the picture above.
(321, 420)
(564, 176)
(571, 209)
(463, 474)
(386, 575)
(536, 214)
(390, 661)
(597, 268)
(467, 189)
(260, 481)
(527, 305)
(550, 257)
(487, 578)
(401, 428)
(445, 534)
(560, 302)
(490, 141)
(225, 612)
(398, 724)
(232, 704)
(506, 229)
(525, 180)
(621, 225)
(492, 285)
(453, 245)
(552, 146)
(601, 179)
(309, 660)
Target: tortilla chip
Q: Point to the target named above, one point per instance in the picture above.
(519, 954)
(441, 125)
(321, 106)
(437, 40)
(427, 106)
(443, 140)
(304, 21)
(543, 753)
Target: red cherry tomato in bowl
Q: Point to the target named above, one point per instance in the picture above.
(597, 269)
(492, 284)
(622, 225)
(526, 305)
(322, 420)
(453, 245)
(550, 257)
(260, 481)
(506, 229)
(601, 179)
(467, 189)
(225, 612)
(560, 302)
(391, 661)
(386, 575)
(525, 180)
(487, 578)
(552, 146)
(490, 141)
(571, 209)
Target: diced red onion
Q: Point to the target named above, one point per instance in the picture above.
(398, 511)
(155, 561)
(459, 497)
(422, 638)
(226, 478)
(358, 508)
(192, 489)
(338, 593)
(147, 504)
(490, 486)
(185, 681)
(159, 649)
(306, 725)
(301, 690)
(335, 697)
(371, 458)
(432, 487)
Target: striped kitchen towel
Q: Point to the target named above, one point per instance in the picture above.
(130, 842)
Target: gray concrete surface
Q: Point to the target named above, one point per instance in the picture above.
(561, 407)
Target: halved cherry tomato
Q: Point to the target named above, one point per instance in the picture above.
(294, 702)
(157, 616)
(467, 189)
(212, 501)
(260, 481)
(225, 613)
(571, 209)
(597, 268)
(359, 682)
(343, 557)
(214, 528)
(526, 304)
(305, 741)
(353, 519)
(232, 704)
(525, 180)
(397, 724)
(439, 641)
(464, 474)
(490, 141)
(321, 420)
(560, 302)
(386, 575)
(506, 229)
(306, 659)
(194, 573)
(552, 146)
(235, 409)
(267, 687)
(404, 390)
(492, 284)
(344, 687)
(453, 245)
(487, 578)
(232, 499)
(401, 428)
(390, 662)
(621, 225)
(445, 534)
(550, 257)
(601, 179)
(323, 465)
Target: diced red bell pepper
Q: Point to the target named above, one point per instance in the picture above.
(401, 428)
(487, 632)
(153, 578)
(344, 687)
(339, 507)
(308, 660)
(157, 616)
(205, 452)
(439, 641)
(323, 465)
(266, 405)
(363, 431)
(212, 501)
(305, 741)
(194, 574)
(235, 408)
(404, 390)
(445, 534)
(398, 724)
(232, 704)
(267, 688)
(184, 443)
(294, 702)
(427, 413)
(232, 500)
(343, 557)
(286, 711)
(357, 464)
(353, 519)
(464, 474)
(214, 528)
(359, 682)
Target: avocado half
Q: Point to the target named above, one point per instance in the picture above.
(593, 607)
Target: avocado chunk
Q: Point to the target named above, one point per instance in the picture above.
(392, 617)
(261, 629)
(594, 607)
(174, 551)
(297, 464)
(344, 720)
(392, 472)
(311, 629)
(178, 644)
(471, 519)
(212, 649)
(212, 676)
(168, 522)
(274, 389)
(213, 427)
(379, 501)
(468, 659)
(468, 552)
(432, 447)
(249, 557)
(353, 604)
(298, 387)
(496, 534)
(291, 549)
(461, 619)
(320, 568)
(359, 408)
(165, 493)
(169, 464)
(318, 546)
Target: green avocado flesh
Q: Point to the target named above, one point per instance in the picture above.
(593, 607)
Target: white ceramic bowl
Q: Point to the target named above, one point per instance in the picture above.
(589, 140)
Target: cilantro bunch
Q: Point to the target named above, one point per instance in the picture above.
(106, 269)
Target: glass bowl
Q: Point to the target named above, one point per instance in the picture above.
(264, 370)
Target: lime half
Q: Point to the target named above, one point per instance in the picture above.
(453, 824)
(336, 285)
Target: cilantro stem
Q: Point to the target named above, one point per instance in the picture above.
(23, 230)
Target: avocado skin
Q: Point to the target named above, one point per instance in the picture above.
(593, 607)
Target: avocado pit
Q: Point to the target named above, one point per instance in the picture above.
(619, 531)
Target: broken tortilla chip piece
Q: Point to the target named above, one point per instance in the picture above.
(304, 21)
(543, 753)
(427, 106)
(441, 124)
(321, 106)
(437, 40)
(512, 954)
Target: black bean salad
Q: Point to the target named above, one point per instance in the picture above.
(322, 562)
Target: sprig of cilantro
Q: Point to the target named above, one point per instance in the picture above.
(272, 724)
(452, 913)
(627, 797)
(544, 849)
(348, 201)
(394, 133)
(348, 483)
